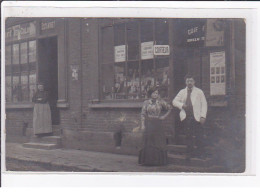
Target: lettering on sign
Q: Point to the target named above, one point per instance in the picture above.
(120, 53)
(21, 31)
(47, 25)
(161, 50)
(147, 50)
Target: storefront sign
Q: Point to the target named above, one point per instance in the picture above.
(161, 50)
(147, 50)
(47, 25)
(21, 31)
(217, 73)
(191, 33)
(120, 53)
(215, 32)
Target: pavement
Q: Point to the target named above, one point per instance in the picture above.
(19, 158)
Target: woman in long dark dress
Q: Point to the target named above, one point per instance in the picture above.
(41, 113)
(154, 150)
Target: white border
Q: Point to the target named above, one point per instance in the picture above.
(248, 10)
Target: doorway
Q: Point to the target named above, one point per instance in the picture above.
(48, 72)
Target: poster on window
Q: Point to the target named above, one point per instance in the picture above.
(120, 53)
(217, 73)
(215, 32)
(147, 50)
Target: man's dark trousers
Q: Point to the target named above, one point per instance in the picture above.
(194, 137)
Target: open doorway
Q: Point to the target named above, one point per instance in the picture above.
(48, 72)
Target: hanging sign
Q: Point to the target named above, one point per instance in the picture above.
(21, 31)
(215, 32)
(161, 49)
(120, 53)
(147, 50)
(217, 73)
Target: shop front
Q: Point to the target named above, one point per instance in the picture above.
(98, 72)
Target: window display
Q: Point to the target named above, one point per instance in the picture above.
(135, 68)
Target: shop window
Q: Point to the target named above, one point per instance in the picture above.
(20, 71)
(129, 67)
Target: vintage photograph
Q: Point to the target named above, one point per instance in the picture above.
(125, 94)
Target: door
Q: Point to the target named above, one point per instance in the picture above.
(48, 72)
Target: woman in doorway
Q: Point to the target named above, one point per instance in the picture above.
(41, 113)
(153, 151)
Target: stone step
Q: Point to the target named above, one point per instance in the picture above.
(176, 149)
(47, 139)
(45, 146)
(181, 160)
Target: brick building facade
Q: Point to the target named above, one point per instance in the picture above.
(77, 60)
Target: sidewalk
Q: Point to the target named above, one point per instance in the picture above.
(80, 161)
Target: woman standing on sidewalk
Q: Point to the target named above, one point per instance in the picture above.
(153, 151)
(41, 113)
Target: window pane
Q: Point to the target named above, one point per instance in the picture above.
(133, 80)
(161, 32)
(146, 30)
(32, 51)
(119, 34)
(24, 53)
(32, 84)
(162, 76)
(32, 91)
(108, 80)
(132, 41)
(8, 93)
(17, 92)
(16, 54)
(120, 81)
(148, 77)
(8, 54)
(32, 78)
(8, 89)
(107, 45)
(25, 93)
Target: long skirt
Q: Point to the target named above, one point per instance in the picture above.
(153, 152)
(42, 119)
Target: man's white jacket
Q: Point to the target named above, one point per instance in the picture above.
(198, 101)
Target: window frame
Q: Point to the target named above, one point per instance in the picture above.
(139, 60)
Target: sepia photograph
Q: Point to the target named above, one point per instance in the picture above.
(118, 94)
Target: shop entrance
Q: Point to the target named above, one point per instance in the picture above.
(180, 70)
(48, 72)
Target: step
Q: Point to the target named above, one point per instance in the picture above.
(45, 146)
(47, 139)
(176, 149)
(181, 160)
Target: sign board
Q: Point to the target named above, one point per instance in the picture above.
(147, 50)
(21, 31)
(217, 73)
(215, 32)
(120, 53)
(191, 33)
(161, 49)
(47, 25)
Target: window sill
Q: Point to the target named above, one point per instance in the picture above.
(116, 104)
(62, 105)
(218, 101)
(25, 105)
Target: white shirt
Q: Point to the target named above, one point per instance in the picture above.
(198, 101)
